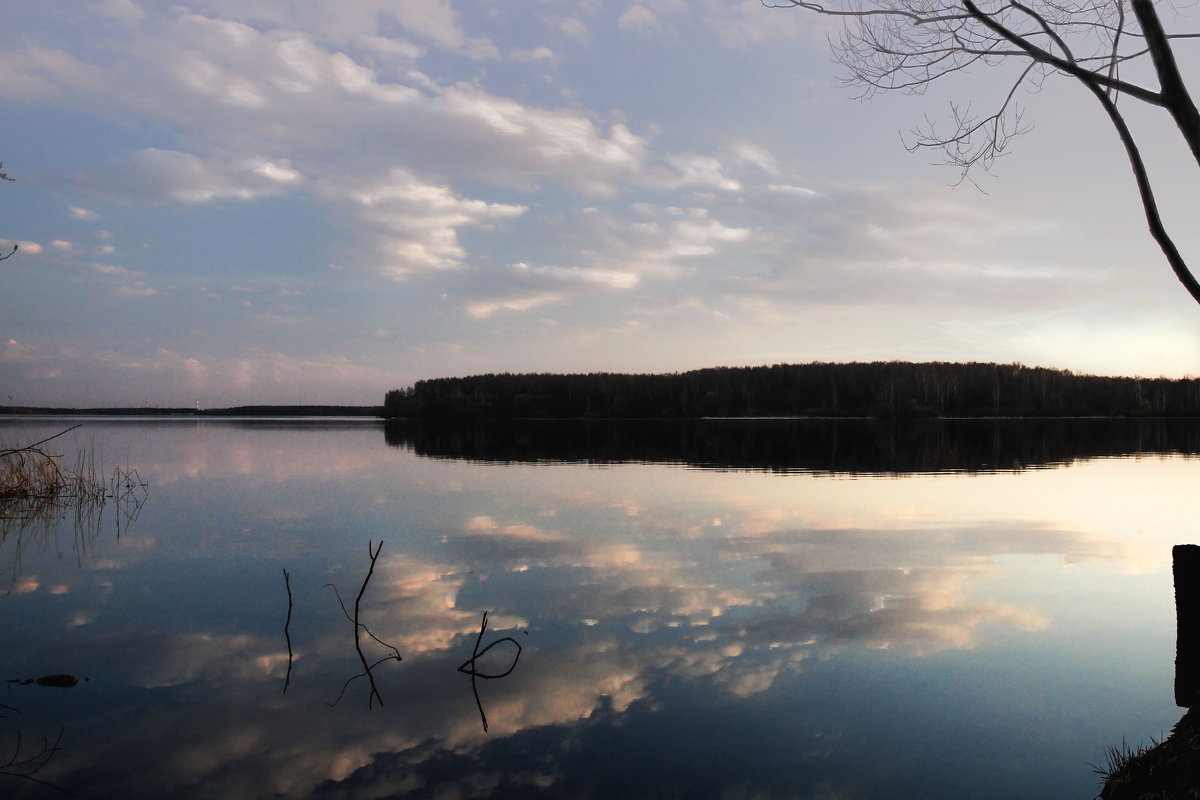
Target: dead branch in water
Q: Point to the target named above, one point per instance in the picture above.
(471, 668)
(24, 765)
(287, 582)
(359, 629)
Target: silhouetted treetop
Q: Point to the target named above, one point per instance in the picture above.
(889, 389)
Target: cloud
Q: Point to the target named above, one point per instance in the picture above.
(154, 175)
(486, 308)
(122, 10)
(746, 23)
(434, 21)
(616, 279)
(639, 19)
(16, 352)
(799, 191)
(413, 225)
(574, 28)
(390, 48)
(747, 153)
(703, 171)
(667, 242)
(174, 377)
(535, 54)
(108, 269)
(26, 247)
(525, 141)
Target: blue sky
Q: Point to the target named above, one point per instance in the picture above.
(259, 201)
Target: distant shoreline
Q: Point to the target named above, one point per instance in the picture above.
(376, 412)
(235, 411)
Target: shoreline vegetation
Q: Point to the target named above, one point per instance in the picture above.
(40, 485)
(879, 390)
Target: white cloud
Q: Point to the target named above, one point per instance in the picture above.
(639, 19)
(240, 92)
(434, 21)
(136, 290)
(799, 191)
(278, 171)
(413, 225)
(613, 278)
(395, 50)
(168, 175)
(486, 308)
(697, 170)
(108, 269)
(747, 23)
(535, 54)
(521, 140)
(122, 10)
(28, 248)
(82, 213)
(663, 247)
(574, 28)
(761, 157)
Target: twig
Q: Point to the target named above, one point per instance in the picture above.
(361, 627)
(287, 582)
(469, 666)
(33, 446)
(26, 767)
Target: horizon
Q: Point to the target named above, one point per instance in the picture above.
(269, 205)
(203, 407)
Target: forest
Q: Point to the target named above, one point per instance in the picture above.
(881, 389)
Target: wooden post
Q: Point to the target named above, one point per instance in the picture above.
(1186, 568)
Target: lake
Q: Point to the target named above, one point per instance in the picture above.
(740, 610)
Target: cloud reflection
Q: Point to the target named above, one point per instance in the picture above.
(622, 585)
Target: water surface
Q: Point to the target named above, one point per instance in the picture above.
(721, 620)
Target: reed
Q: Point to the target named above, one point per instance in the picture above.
(41, 485)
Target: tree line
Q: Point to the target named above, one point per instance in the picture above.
(891, 389)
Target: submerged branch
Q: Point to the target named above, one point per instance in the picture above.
(360, 628)
(470, 667)
(23, 764)
(287, 582)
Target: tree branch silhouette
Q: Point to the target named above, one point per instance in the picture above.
(470, 667)
(361, 628)
(906, 45)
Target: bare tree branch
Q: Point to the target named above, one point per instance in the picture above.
(360, 628)
(1153, 220)
(906, 45)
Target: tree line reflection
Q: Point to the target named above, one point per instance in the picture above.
(869, 447)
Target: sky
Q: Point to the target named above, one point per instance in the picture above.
(231, 202)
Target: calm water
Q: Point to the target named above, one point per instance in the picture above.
(807, 628)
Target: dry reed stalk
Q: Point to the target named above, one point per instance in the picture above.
(36, 489)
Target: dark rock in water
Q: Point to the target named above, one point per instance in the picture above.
(60, 681)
